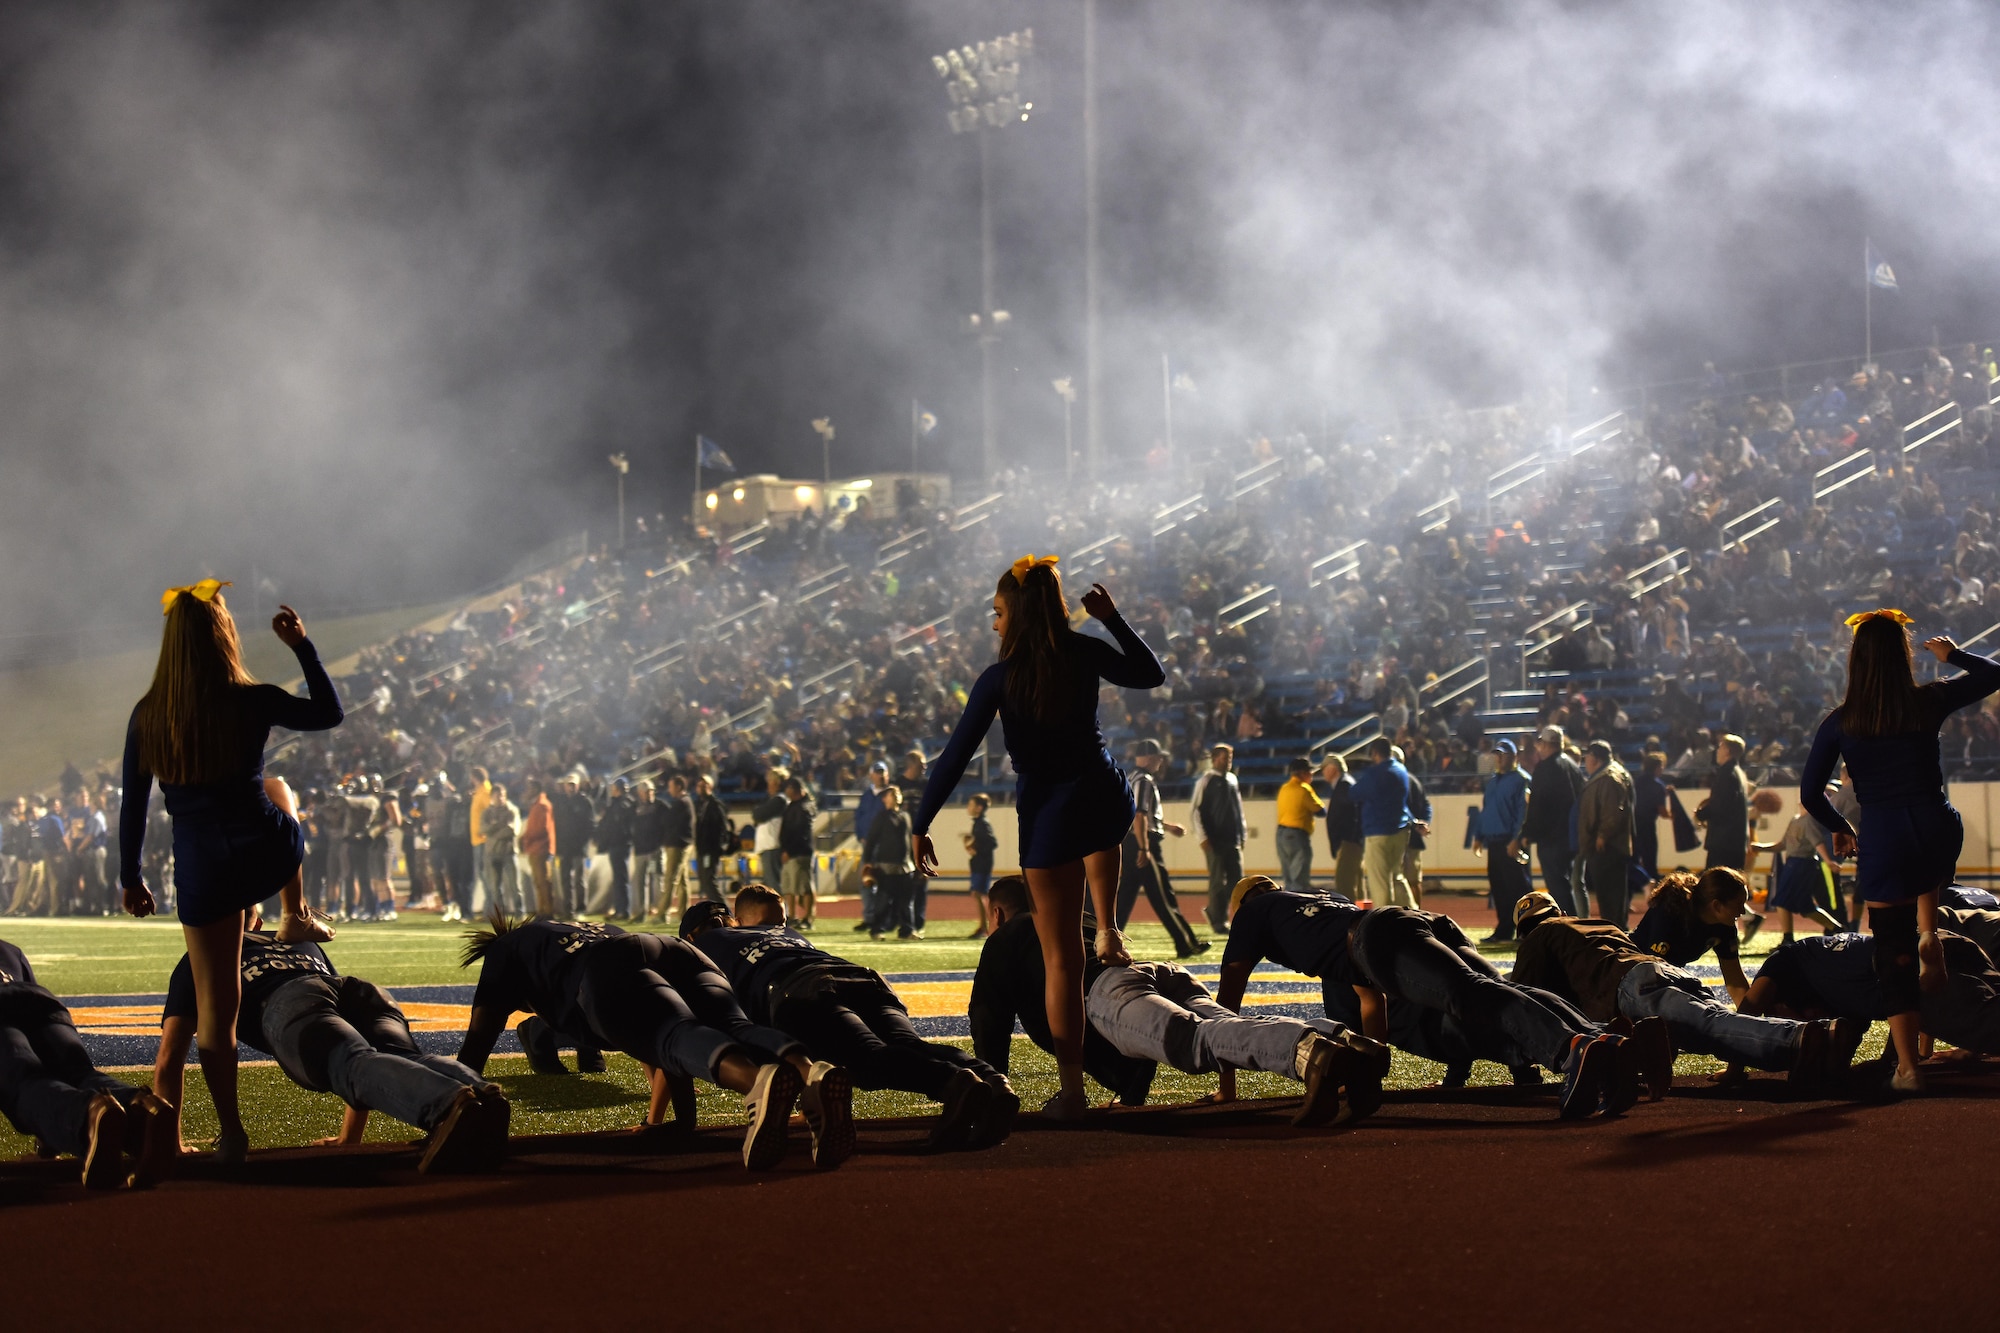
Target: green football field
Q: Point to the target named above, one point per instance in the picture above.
(113, 957)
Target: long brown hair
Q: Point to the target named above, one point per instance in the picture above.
(1882, 697)
(1685, 893)
(1037, 623)
(190, 722)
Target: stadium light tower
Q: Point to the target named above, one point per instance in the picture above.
(1066, 390)
(621, 466)
(984, 84)
(824, 425)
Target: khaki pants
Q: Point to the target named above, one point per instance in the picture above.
(1347, 870)
(795, 881)
(1382, 865)
(673, 873)
(31, 890)
(538, 867)
(1413, 870)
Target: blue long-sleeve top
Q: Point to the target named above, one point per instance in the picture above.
(264, 707)
(1898, 771)
(1043, 749)
(1382, 791)
(1503, 806)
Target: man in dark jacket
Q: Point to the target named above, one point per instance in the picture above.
(795, 851)
(576, 820)
(1604, 830)
(711, 838)
(649, 840)
(1218, 816)
(888, 859)
(613, 837)
(674, 844)
(1558, 781)
(1343, 825)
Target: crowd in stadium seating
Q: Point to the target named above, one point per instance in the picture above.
(806, 648)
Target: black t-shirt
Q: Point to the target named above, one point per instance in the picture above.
(752, 957)
(983, 843)
(19, 991)
(1680, 939)
(1826, 974)
(1306, 933)
(267, 965)
(538, 968)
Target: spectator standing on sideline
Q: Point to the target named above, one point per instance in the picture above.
(446, 812)
(769, 814)
(574, 821)
(980, 844)
(501, 824)
(797, 847)
(1649, 805)
(865, 810)
(481, 792)
(1420, 828)
(679, 837)
(711, 837)
(1551, 827)
(1298, 806)
(1726, 812)
(1218, 812)
(1604, 830)
(1502, 814)
(539, 845)
(912, 780)
(614, 840)
(1142, 853)
(1382, 792)
(889, 860)
(649, 838)
(1343, 826)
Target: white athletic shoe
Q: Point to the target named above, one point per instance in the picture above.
(769, 1102)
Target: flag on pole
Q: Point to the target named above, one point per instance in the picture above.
(712, 455)
(926, 420)
(1879, 273)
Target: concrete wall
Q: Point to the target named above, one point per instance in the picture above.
(1978, 802)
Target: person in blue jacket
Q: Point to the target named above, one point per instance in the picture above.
(1907, 846)
(1503, 810)
(1071, 798)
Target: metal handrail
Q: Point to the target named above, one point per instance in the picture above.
(1095, 548)
(765, 601)
(756, 532)
(942, 625)
(1466, 665)
(1493, 493)
(1913, 445)
(1444, 519)
(1272, 470)
(1821, 492)
(1729, 540)
(1604, 438)
(979, 510)
(1359, 722)
(1674, 571)
(1168, 518)
(459, 745)
(901, 546)
(1551, 619)
(1261, 590)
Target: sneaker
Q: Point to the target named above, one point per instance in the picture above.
(1497, 939)
(1811, 1058)
(1653, 1043)
(589, 1060)
(769, 1103)
(964, 1101)
(456, 1142)
(1455, 1076)
(311, 927)
(996, 1122)
(1376, 1053)
(1066, 1109)
(1524, 1076)
(1586, 1070)
(1912, 1082)
(1751, 922)
(1200, 947)
(805, 926)
(1323, 1066)
(828, 1106)
(860, 926)
(104, 1155)
(1621, 1090)
(389, 915)
(495, 1124)
(151, 1120)
(538, 1041)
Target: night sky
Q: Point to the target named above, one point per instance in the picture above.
(364, 294)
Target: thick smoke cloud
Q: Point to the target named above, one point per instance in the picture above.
(361, 296)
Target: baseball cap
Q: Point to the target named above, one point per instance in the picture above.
(879, 766)
(1550, 735)
(1146, 747)
(1531, 905)
(1244, 887)
(1504, 746)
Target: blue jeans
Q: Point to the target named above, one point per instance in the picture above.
(346, 1036)
(1655, 989)
(1295, 858)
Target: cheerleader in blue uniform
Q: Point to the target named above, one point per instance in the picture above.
(1072, 800)
(1908, 843)
(1805, 882)
(201, 731)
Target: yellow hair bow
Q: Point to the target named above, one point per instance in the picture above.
(1028, 562)
(202, 592)
(1887, 613)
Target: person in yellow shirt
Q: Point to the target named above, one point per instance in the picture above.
(1298, 806)
(482, 792)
